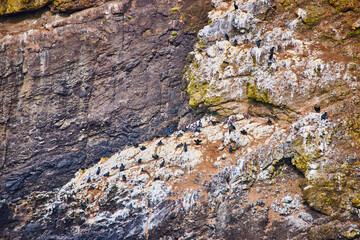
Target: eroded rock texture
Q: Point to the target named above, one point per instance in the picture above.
(78, 87)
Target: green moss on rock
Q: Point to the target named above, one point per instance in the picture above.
(256, 94)
(314, 15)
(16, 6)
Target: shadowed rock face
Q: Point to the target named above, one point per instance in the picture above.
(78, 87)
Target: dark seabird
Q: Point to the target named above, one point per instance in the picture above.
(226, 62)
(185, 147)
(83, 206)
(155, 156)
(180, 145)
(323, 117)
(230, 149)
(236, 6)
(185, 129)
(144, 171)
(107, 174)
(272, 50)
(136, 145)
(235, 43)
(197, 141)
(231, 127)
(157, 136)
(89, 180)
(179, 135)
(248, 116)
(258, 42)
(82, 169)
(98, 171)
(162, 163)
(142, 148)
(200, 124)
(317, 109)
(269, 121)
(160, 143)
(116, 167)
(91, 188)
(271, 57)
(227, 37)
(139, 161)
(197, 129)
(243, 132)
(122, 167)
(156, 178)
(214, 122)
(124, 178)
(129, 143)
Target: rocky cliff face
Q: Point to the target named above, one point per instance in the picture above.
(276, 156)
(78, 87)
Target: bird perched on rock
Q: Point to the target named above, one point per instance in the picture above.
(197, 129)
(214, 122)
(179, 135)
(142, 148)
(272, 50)
(155, 156)
(122, 167)
(258, 42)
(83, 206)
(235, 43)
(271, 57)
(116, 167)
(243, 132)
(139, 161)
(248, 116)
(180, 145)
(129, 144)
(89, 180)
(162, 163)
(185, 147)
(197, 141)
(185, 129)
(317, 109)
(236, 6)
(160, 143)
(231, 127)
(323, 117)
(124, 178)
(144, 171)
(98, 171)
(136, 145)
(156, 178)
(227, 37)
(269, 121)
(230, 149)
(107, 174)
(91, 188)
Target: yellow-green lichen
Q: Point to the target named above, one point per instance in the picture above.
(256, 94)
(345, 5)
(16, 6)
(314, 14)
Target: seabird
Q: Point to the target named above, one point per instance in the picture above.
(323, 117)
(156, 178)
(107, 174)
(235, 43)
(185, 147)
(136, 145)
(236, 6)
(116, 167)
(144, 171)
(200, 123)
(179, 135)
(227, 37)
(89, 180)
(142, 148)
(272, 50)
(122, 167)
(230, 149)
(226, 62)
(180, 145)
(248, 116)
(214, 122)
(243, 132)
(258, 42)
(317, 109)
(271, 57)
(160, 143)
(83, 206)
(98, 171)
(269, 121)
(197, 141)
(124, 178)
(162, 163)
(91, 188)
(155, 156)
(185, 129)
(129, 143)
(231, 127)
(139, 161)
